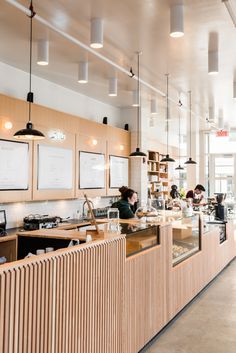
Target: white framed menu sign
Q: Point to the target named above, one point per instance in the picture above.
(91, 170)
(119, 171)
(55, 167)
(14, 165)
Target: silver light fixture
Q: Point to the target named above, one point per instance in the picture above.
(83, 72)
(213, 62)
(112, 87)
(96, 35)
(179, 166)
(43, 52)
(167, 158)
(137, 152)
(190, 160)
(29, 133)
(177, 21)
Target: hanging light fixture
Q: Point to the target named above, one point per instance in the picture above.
(112, 87)
(179, 166)
(167, 158)
(153, 106)
(83, 72)
(29, 133)
(137, 152)
(96, 35)
(190, 161)
(213, 66)
(43, 52)
(177, 21)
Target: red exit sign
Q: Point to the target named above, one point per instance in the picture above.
(222, 133)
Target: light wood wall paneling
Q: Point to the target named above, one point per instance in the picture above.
(115, 139)
(68, 302)
(85, 143)
(16, 112)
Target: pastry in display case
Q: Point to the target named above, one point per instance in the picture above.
(186, 237)
(147, 213)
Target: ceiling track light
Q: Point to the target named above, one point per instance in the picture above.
(153, 106)
(177, 21)
(29, 133)
(167, 158)
(43, 52)
(112, 87)
(83, 72)
(137, 152)
(231, 8)
(190, 160)
(96, 35)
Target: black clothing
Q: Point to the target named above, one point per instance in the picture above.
(124, 209)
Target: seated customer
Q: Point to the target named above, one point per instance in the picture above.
(128, 199)
(196, 195)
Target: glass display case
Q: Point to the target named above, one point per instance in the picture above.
(186, 237)
(139, 237)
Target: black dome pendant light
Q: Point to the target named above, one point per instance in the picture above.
(137, 152)
(179, 166)
(167, 158)
(190, 161)
(29, 133)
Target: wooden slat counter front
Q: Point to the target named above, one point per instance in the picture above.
(67, 301)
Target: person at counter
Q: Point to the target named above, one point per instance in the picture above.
(196, 195)
(125, 204)
(174, 193)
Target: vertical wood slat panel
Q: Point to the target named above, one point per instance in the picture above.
(68, 302)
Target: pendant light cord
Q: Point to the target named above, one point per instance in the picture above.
(30, 94)
(167, 111)
(139, 104)
(179, 135)
(190, 116)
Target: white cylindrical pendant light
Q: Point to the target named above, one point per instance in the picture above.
(43, 52)
(213, 65)
(234, 90)
(96, 35)
(83, 72)
(135, 102)
(153, 106)
(112, 87)
(177, 21)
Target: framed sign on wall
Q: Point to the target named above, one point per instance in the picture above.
(91, 170)
(55, 169)
(14, 165)
(119, 172)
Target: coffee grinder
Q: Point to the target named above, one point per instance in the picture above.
(220, 210)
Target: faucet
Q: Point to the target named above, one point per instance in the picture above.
(83, 214)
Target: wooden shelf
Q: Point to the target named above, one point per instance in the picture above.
(154, 158)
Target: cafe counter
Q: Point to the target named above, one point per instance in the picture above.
(112, 294)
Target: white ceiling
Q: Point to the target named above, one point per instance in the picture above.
(130, 26)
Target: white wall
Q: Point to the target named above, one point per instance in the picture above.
(14, 83)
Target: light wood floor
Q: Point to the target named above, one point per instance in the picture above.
(207, 325)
